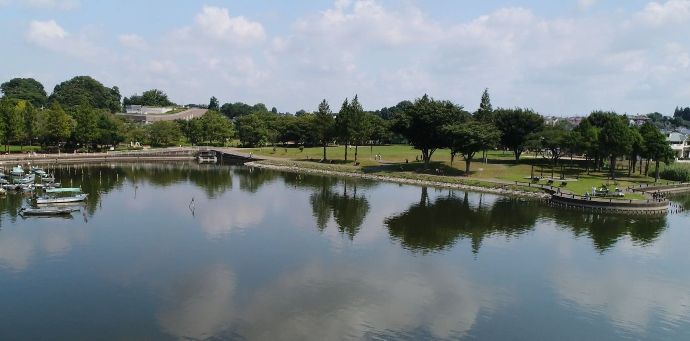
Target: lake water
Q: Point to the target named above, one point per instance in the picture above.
(268, 255)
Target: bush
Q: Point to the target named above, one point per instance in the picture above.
(681, 174)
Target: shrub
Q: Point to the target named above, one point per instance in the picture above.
(681, 174)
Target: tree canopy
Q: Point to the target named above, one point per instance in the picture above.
(27, 89)
(86, 90)
(516, 125)
(422, 124)
(469, 137)
(153, 98)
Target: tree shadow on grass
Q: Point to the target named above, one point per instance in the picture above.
(328, 162)
(435, 168)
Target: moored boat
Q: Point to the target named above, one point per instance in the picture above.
(38, 171)
(47, 211)
(207, 156)
(30, 178)
(61, 195)
(17, 171)
(47, 178)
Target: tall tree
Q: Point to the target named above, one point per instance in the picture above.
(344, 125)
(469, 137)
(213, 104)
(164, 133)
(422, 124)
(12, 121)
(485, 111)
(615, 139)
(84, 89)
(27, 89)
(516, 125)
(656, 146)
(361, 125)
(588, 141)
(31, 122)
(86, 129)
(55, 125)
(554, 142)
(323, 125)
(217, 127)
(111, 129)
(252, 130)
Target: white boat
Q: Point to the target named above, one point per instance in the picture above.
(47, 178)
(61, 195)
(207, 156)
(17, 171)
(38, 171)
(28, 179)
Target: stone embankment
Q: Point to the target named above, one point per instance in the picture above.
(499, 189)
(167, 154)
(648, 206)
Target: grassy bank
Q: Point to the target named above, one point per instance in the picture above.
(499, 170)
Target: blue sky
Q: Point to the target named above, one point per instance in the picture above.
(558, 57)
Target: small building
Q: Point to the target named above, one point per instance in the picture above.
(639, 120)
(679, 144)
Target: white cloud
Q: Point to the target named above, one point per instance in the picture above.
(133, 41)
(387, 52)
(45, 33)
(51, 36)
(216, 23)
(670, 12)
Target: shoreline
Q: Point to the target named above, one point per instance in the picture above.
(400, 180)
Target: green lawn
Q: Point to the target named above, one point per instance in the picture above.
(19, 149)
(500, 167)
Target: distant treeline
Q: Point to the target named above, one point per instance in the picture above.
(79, 114)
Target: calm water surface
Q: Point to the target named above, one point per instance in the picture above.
(269, 255)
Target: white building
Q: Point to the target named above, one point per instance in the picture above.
(139, 109)
(679, 144)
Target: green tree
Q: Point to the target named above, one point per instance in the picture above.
(193, 130)
(111, 129)
(55, 125)
(516, 125)
(217, 127)
(164, 133)
(84, 89)
(86, 129)
(323, 125)
(422, 124)
(360, 125)
(31, 123)
(469, 137)
(213, 104)
(153, 97)
(615, 139)
(485, 113)
(555, 141)
(656, 146)
(252, 130)
(12, 121)
(27, 89)
(344, 125)
(588, 141)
